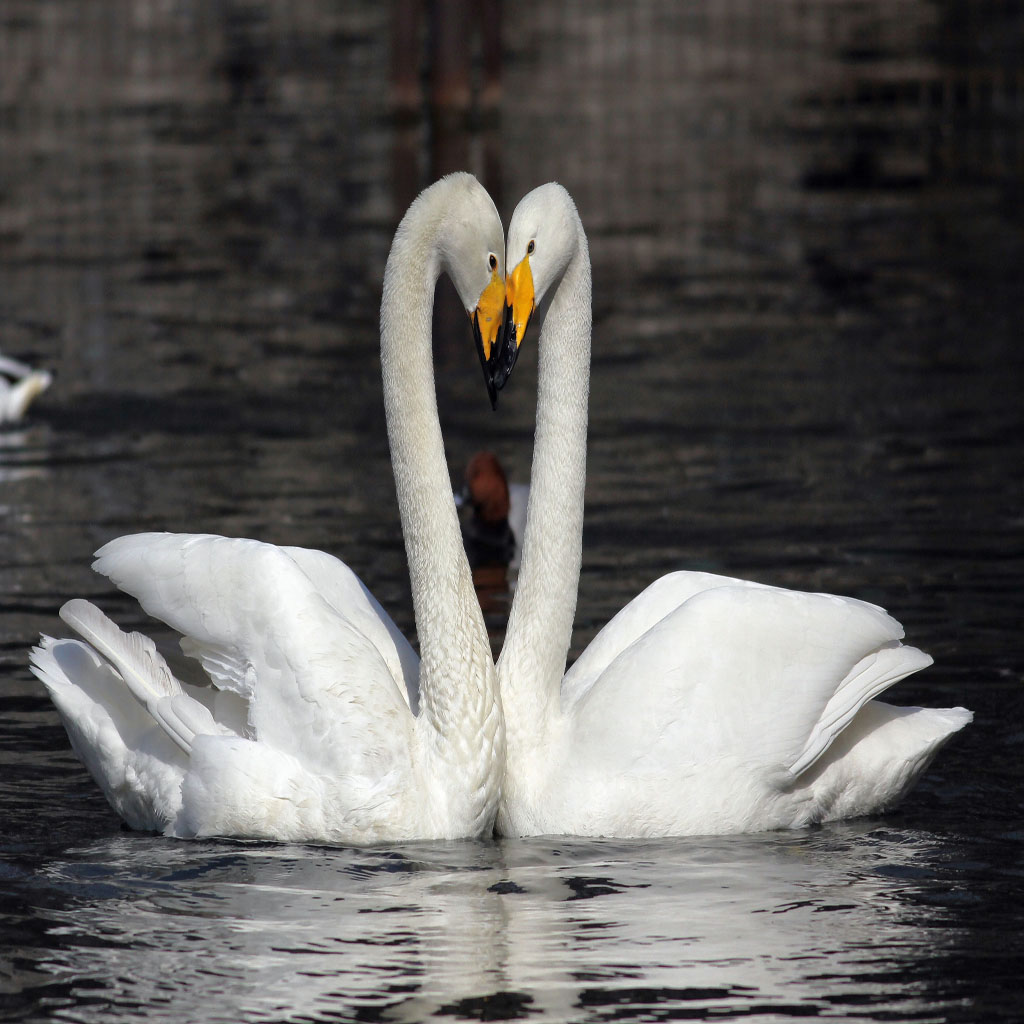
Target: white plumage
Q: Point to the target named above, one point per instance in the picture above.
(321, 724)
(707, 704)
(20, 385)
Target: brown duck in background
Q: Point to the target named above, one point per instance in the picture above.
(492, 531)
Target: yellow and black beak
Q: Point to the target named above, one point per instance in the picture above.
(519, 306)
(488, 321)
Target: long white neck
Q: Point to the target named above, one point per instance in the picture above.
(532, 660)
(460, 720)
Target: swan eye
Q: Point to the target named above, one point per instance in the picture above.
(492, 261)
(531, 247)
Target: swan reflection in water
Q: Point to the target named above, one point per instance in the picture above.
(544, 927)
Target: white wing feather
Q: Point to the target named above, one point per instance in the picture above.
(742, 669)
(145, 673)
(318, 687)
(346, 593)
(135, 655)
(129, 754)
(648, 608)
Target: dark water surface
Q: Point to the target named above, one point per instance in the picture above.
(808, 248)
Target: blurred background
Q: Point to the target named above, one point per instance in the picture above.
(805, 222)
(807, 233)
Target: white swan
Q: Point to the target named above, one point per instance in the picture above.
(311, 732)
(707, 705)
(19, 386)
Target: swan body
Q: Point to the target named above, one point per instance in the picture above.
(707, 704)
(19, 386)
(321, 724)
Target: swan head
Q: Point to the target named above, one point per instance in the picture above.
(541, 240)
(472, 253)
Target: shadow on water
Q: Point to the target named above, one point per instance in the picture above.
(807, 244)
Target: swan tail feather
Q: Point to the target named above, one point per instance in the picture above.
(133, 760)
(144, 672)
(872, 674)
(878, 758)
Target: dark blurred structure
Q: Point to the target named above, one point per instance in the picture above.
(446, 94)
(164, 163)
(446, 73)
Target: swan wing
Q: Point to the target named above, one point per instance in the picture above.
(346, 593)
(316, 685)
(649, 607)
(742, 670)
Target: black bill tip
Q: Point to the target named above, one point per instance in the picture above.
(508, 353)
(487, 363)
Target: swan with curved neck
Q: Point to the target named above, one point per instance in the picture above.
(322, 725)
(707, 704)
